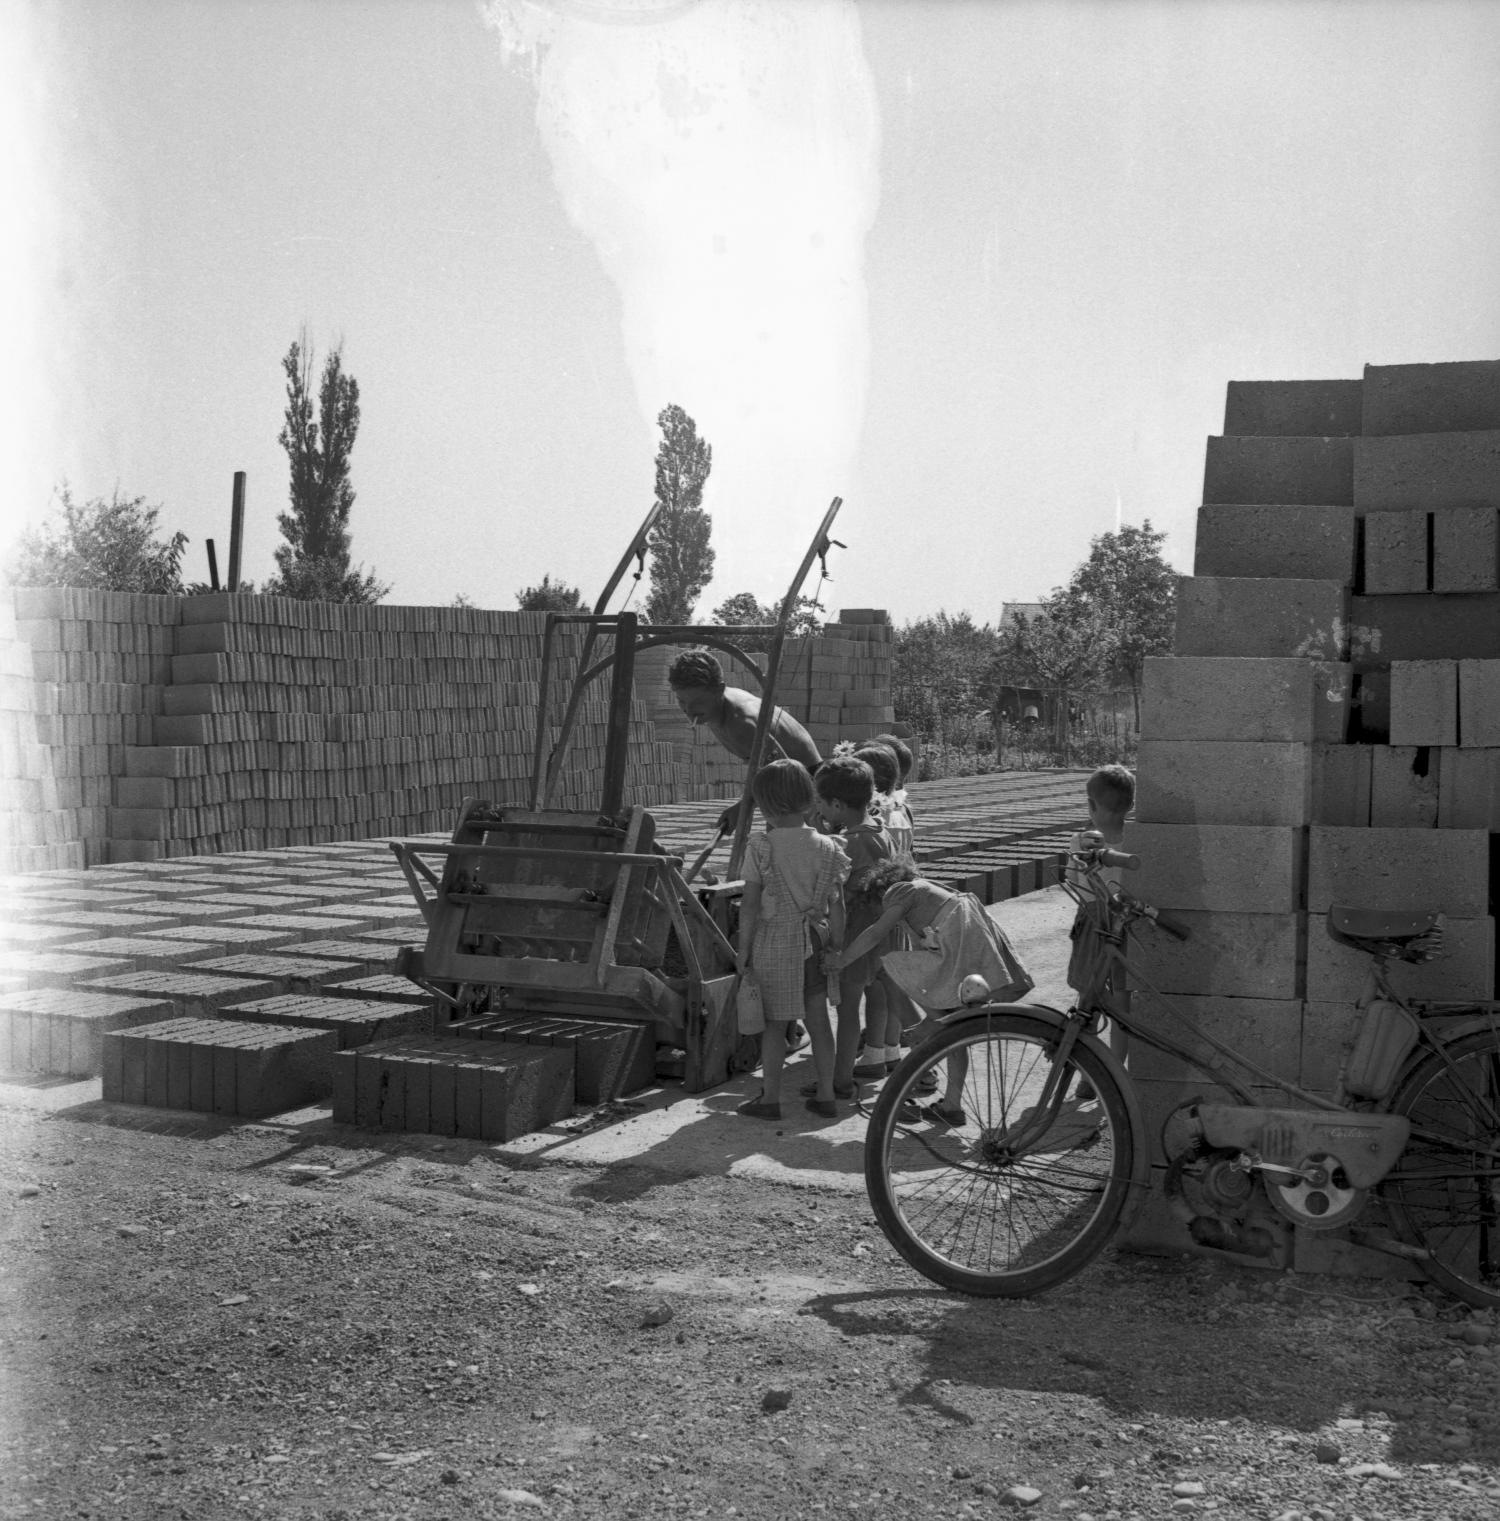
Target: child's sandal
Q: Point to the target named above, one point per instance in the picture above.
(758, 1109)
(951, 1115)
(840, 1091)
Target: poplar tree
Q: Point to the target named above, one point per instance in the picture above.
(682, 561)
(313, 564)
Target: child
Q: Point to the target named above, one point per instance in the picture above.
(1111, 796)
(791, 915)
(845, 788)
(887, 1008)
(956, 939)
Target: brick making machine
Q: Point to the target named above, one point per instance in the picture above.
(561, 930)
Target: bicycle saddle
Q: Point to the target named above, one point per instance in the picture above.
(1367, 928)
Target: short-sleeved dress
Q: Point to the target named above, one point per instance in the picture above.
(868, 844)
(800, 873)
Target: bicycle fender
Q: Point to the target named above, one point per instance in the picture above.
(1053, 1021)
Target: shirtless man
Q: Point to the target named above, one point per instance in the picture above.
(730, 714)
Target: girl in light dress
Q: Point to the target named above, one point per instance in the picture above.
(791, 917)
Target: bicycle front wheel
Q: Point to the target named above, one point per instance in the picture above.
(1445, 1191)
(1003, 1200)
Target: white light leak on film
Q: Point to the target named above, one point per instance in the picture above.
(722, 156)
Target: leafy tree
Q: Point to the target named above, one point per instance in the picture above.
(1068, 647)
(550, 596)
(682, 561)
(313, 564)
(746, 607)
(108, 546)
(1133, 591)
(942, 676)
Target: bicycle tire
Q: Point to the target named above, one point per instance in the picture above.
(963, 1212)
(1454, 1217)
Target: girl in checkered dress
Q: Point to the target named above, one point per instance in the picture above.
(792, 912)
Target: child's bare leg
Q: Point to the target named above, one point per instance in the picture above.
(772, 1060)
(847, 1045)
(820, 1032)
(901, 1012)
(875, 1013)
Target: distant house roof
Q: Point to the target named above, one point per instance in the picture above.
(1010, 611)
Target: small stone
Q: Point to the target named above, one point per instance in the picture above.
(129, 1231)
(1184, 1503)
(530, 1290)
(1187, 1487)
(448, 1476)
(520, 1497)
(656, 1315)
(27, 1191)
(963, 1473)
(234, 1299)
(1374, 1471)
(1020, 1495)
(1477, 1336)
(1327, 1452)
(775, 1399)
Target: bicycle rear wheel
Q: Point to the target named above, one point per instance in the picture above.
(984, 1207)
(1445, 1191)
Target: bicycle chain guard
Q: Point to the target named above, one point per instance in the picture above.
(1298, 1146)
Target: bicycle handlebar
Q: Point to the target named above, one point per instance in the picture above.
(1107, 857)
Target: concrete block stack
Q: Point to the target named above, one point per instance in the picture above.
(294, 722)
(80, 679)
(1325, 730)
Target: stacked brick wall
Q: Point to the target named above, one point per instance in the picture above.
(142, 727)
(1325, 731)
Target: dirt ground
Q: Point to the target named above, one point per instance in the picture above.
(682, 1314)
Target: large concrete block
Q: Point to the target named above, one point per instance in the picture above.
(1430, 398)
(1479, 703)
(1223, 782)
(1262, 618)
(1300, 408)
(1222, 698)
(1465, 549)
(1314, 543)
(1329, 1027)
(1446, 870)
(1308, 472)
(1404, 786)
(1268, 1030)
(1469, 790)
(1341, 785)
(1428, 470)
(1424, 702)
(1427, 627)
(1222, 868)
(1397, 553)
(1466, 969)
(1230, 954)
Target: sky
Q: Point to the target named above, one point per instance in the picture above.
(982, 269)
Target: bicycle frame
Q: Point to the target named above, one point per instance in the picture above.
(1122, 913)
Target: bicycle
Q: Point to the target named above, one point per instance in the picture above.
(1051, 1160)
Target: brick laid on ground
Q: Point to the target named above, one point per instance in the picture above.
(59, 1030)
(216, 1066)
(370, 957)
(384, 988)
(478, 1089)
(190, 992)
(355, 1021)
(57, 969)
(611, 1058)
(284, 972)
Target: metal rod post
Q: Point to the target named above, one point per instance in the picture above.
(236, 529)
(213, 566)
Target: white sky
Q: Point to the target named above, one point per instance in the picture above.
(1086, 220)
